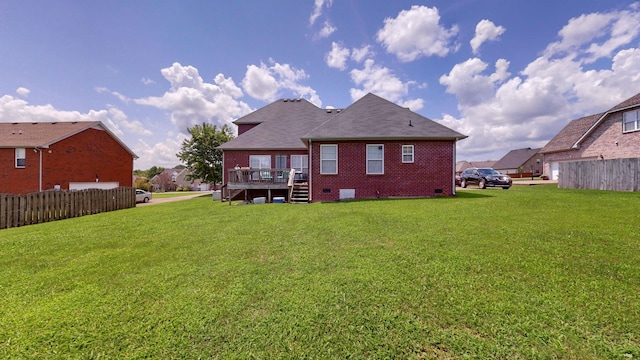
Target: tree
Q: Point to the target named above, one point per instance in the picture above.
(153, 171)
(200, 155)
(143, 183)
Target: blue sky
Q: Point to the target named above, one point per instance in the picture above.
(509, 74)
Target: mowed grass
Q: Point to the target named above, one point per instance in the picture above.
(532, 272)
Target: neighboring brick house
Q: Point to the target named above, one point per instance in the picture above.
(520, 161)
(172, 179)
(371, 149)
(614, 134)
(62, 155)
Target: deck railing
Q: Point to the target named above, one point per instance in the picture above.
(259, 176)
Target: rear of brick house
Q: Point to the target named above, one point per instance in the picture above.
(371, 149)
(45, 156)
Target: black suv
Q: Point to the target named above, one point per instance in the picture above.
(484, 177)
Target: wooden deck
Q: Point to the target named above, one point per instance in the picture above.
(245, 179)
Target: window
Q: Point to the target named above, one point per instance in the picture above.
(260, 162)
(328, 159)
(300, 163)
(631, 121)
(375, 159)
(281, 161)
(21, 157)
(407, 153)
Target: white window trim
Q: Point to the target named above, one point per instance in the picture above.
(21, 154)
(412, 154)
(381, 160)
(304, 161)
(322, 159)
(636, 121)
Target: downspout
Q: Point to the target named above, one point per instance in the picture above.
(310, 171)
(40, 171)
(454, 167)
(223, 170)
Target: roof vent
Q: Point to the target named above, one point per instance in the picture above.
(285, 100)
(298, 100)
(328, 111)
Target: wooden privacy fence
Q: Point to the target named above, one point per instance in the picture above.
(614, 174)
(21, 210)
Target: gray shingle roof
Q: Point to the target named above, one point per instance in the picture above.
(515, 158)
(373, 117)
(284, 124)
(281, 125)
(568, 136)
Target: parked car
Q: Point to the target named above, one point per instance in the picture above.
(457, 180)
(484, 177)
(142, 196)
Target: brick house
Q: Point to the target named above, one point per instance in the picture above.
(371, 149)
(614, 134)
(520, 161)
(62, 155)
(172, 179)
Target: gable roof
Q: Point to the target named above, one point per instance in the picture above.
(631, 102)
(515, 158)
(281, 124)
(44, 134)
(570, 134)
(375, 118)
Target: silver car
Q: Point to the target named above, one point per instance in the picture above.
(142, 196)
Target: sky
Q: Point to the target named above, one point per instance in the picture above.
(509, 74)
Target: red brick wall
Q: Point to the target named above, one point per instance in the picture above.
(603, 141)
(431, 171)
(18, 181)
(78, 158)
(242, 128)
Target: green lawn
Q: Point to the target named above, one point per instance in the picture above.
(531, 272)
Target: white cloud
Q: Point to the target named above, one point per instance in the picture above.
(416, 33)
(266, 82)
(147, 81)
(161, 154)
(193, 101)
(18, 110)
(382, 82)
(359, 54)
(337, 57)
(470, 86)
(24, 92)
(500, 112)
(590, 37)
(120, 121)
(319, 5)
(103, 90)
(326, 30)
(485, 31)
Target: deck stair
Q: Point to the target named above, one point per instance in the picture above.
(299, 193)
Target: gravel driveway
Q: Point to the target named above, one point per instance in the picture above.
(188, 196)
